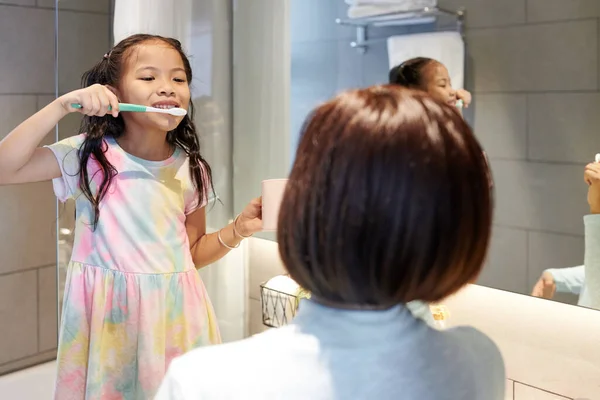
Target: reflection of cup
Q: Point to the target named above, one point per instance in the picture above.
(272, 194)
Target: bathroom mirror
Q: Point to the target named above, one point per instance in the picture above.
(534, 109)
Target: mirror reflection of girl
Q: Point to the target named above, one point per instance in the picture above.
(133, 299)
(430, 76)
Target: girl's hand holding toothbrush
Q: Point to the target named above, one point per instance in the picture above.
(95, 101)
(465, 96)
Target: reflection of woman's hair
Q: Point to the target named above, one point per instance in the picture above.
(388, 200)
(409, 74)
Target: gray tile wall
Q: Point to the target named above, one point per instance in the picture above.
(27, 212)
(535, 77)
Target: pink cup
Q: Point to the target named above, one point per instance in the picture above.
(272, 194)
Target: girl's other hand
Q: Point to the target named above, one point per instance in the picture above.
(545, 286)
(250, 219)
(465, 96)
(95, 101)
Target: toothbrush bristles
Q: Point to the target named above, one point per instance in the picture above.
(180, 112)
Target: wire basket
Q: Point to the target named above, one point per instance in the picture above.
(278, 307)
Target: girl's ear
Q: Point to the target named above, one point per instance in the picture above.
(115, 91)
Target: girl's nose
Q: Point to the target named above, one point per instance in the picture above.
(166, 88)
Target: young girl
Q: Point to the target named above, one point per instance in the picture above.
(430, 76)
(133, 299)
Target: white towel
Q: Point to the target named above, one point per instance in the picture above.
(445, 47)
(410, 4)
(355, 12)
(364, 10)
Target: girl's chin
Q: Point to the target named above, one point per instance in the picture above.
(164, 122)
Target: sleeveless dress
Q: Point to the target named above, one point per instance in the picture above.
(133, 299)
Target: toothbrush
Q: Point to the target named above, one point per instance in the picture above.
(178, 112)
(598, 157)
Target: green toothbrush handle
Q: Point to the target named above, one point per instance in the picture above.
(122, 107)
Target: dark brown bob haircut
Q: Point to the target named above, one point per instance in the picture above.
(388, 200)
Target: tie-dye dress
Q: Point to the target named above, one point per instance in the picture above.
(133, 300)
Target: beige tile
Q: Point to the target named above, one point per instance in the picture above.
(501, 124)
(523, 392)
(83, 39)
(28, 229)
(18, 313)
(557, 10)
(506, 267)
(536, 196)
(510, 390)
(15, 109)
(264, 263)
(19, 386)
(488, 13)
(524, 58)
(47, 306)
(27, 49)
(563, 127)
(99, 6)
(541, 341)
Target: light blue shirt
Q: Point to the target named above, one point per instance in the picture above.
(332, 354)
(571, 280)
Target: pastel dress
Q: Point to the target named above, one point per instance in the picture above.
(133, 299)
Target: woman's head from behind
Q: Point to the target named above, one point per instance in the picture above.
(388, 200)
(425, 74)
